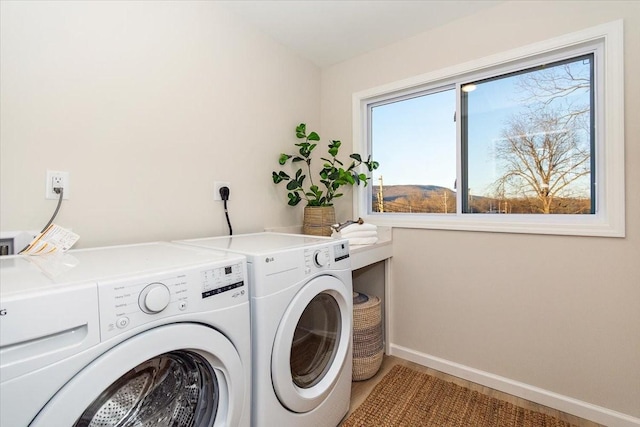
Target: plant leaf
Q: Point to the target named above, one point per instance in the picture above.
(356, 156)
(283, 158)
(294, 199)
(301, 130)
(313, 137)
(347, 177)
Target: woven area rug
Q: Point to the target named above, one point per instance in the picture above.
(405, 397)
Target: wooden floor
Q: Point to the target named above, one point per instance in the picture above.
(361, 389)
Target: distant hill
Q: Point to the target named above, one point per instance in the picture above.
(393, 192)
(436, 199)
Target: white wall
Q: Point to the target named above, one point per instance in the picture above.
(558, 313)
(145, 104)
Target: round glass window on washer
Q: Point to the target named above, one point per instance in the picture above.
(174, 389)
(315, 341)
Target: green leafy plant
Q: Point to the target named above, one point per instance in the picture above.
(332, 176)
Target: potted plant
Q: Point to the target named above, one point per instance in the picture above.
(333, 175)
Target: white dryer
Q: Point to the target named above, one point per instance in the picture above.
(140, 335)
(301, 318)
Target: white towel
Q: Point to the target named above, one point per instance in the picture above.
(359, 227)
(350, 234)
(363, 240)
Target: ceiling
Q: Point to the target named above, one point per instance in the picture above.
(331, 31)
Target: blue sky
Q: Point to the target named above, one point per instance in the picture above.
(415, 140)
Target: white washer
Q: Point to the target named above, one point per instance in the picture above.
(154, 334)
(301, 319)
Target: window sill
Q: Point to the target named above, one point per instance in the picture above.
(569, 225)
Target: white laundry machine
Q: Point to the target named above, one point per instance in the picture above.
(140, 335)
(301, 317)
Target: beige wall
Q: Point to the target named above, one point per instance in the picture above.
(145, 104)
(559, 313)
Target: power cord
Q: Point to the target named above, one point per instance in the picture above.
(60, 191)
(224, 194)
(57, 190)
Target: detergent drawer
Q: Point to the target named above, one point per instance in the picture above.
(37, 330)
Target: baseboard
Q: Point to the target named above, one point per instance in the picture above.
(563, 403)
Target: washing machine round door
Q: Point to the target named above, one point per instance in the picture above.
(312, 343)
(173, 375)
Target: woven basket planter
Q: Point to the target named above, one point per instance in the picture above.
(317, 220)
(368, 348)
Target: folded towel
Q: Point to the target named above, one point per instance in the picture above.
(363, 240)
(359, 227)
(348, 235)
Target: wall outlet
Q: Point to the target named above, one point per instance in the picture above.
(57, 179)
(217, 185)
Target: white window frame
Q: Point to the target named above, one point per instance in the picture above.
(609, 218)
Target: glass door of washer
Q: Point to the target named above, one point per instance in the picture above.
(312, 343)
(179, 388)
(184, 375)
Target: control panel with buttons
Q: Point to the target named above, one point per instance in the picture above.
(218, 280)
(126, 304)
(324, 257)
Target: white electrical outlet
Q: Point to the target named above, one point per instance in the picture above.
(217, 185)
(57, 179)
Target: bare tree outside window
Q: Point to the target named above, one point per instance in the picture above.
(558, 84)
(545, 160)
(542, 155)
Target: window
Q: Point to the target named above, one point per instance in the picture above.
(416, 137)
(528, 141)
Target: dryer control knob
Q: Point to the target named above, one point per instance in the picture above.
(320, 258)
(154, 298)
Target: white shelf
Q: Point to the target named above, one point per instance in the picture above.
(364, 255)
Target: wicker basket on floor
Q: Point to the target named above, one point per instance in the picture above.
(368, 348)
